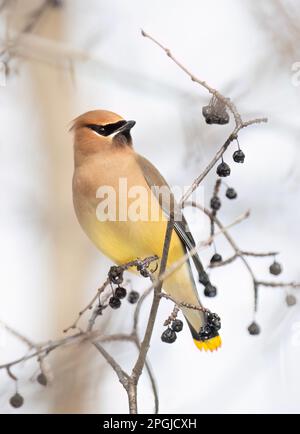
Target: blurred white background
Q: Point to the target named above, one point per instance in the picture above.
(90, 54)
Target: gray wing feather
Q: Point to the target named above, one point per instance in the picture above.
(155, 179)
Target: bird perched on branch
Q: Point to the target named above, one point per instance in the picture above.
(123, 204)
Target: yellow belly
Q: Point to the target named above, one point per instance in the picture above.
(124, 241)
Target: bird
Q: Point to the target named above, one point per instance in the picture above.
(104, 162)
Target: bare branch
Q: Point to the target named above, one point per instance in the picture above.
(183, 303)
(258, 255)
(89, 305)
(225, 262)
(18, 335)
(122, 375)
(294, 285)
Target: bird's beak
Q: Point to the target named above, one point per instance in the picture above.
(126, 127)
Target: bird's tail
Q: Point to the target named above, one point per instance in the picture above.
(204, 325)
(207, 338)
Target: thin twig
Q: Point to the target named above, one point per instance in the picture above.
(294, 285)
(89, 305)
(225, 262)
(183, 303)
(257, 254)
(18, 335)
(123, 377)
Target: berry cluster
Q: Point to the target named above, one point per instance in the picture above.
(223, 169)
(116, 277)
(170, 334)
(119, 294)
(211, 327)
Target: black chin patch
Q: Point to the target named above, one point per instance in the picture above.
(122, 139)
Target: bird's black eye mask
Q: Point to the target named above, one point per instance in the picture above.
(108, 129)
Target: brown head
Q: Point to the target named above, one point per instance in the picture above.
(100, 130)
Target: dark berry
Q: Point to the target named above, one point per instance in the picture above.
(120, 292)
(144, 272)
(275, 268)
(215, 113)
(238, 156)
(231, 193)
(215, 203)
(205, 333)
(133, 297)
(116, 275)
(203, 278)
(169, 336)
(210, 290)
(291, 300)
(216, 258)
(223, 170)
(177, 325)
(16, 400)
(214, 321)
(114, 302)
(42, 379)
(254, 329)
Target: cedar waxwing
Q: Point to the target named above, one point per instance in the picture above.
(104, 155)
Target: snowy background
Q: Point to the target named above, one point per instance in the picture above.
(90, 54)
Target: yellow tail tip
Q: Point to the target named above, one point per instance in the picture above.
(209, 345)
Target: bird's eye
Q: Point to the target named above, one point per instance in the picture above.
(97, 128)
